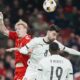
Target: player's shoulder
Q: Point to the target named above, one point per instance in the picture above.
(38, 39)
(28, 37)
(66, 61)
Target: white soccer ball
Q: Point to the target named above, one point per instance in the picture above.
(49, 5)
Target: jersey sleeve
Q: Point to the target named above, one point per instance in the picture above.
(69, 50)
(72, 51)
(70, 72)
(13, 35)
(31, 45)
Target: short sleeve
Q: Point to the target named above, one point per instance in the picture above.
(32, 44)
(28, 38)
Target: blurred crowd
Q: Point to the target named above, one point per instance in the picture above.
(66, 16)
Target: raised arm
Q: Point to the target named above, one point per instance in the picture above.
(69, 50)
(3, 29)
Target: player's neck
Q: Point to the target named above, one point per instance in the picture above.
(23, 36)
(56, 52)
(46, 39)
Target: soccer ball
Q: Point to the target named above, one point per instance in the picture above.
(49, 5)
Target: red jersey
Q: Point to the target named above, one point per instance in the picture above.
(20, 43)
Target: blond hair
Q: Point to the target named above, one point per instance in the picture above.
(21, 22)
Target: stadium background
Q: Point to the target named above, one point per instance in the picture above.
(66, 16)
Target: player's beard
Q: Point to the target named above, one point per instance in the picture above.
(50, 40)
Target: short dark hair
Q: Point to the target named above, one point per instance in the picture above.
(54, 27)
(53, 47)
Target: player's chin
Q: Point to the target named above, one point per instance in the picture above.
(20, 36)
(53, 39)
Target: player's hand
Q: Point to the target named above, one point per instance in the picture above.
(11, 49)
(1, 17)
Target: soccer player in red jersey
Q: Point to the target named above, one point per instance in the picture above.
(21, 38)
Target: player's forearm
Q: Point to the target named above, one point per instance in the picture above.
(72, 51)
(4, 30)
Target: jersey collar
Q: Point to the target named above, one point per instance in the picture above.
(46, 42)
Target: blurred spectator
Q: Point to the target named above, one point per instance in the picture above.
(12, 64)
(8, 61)
(40, 25)
(2, 70)
(1, 5)
(10, 43)
(7, 23)
(61, 20)
(72, 40)
(9, 75)
(2, 53)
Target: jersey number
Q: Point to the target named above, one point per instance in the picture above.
(58, 72)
